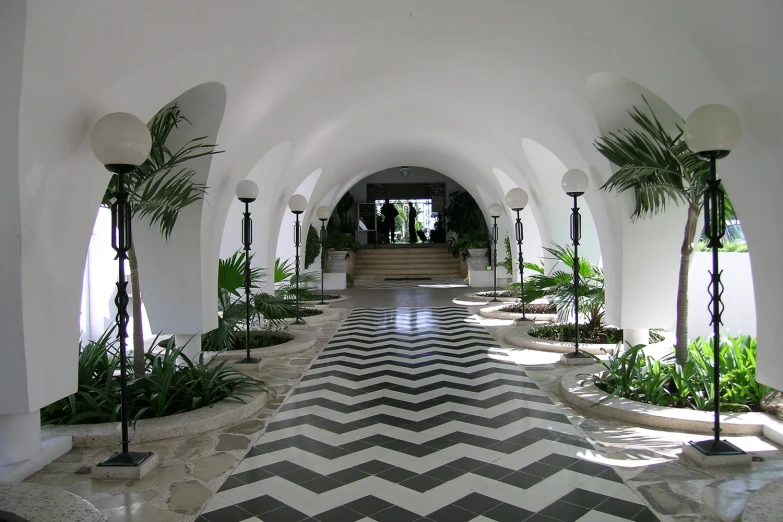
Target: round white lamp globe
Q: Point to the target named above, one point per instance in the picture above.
(247, 191)
(495, 210)
(323, 213)
(120, 138)
(712, 129)
(297, 203)
(574, 182)
(516, 199)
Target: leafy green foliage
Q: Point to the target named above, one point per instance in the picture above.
(473, 239)
(171, 384)
(736, 246)
(530, 308)
(342, 208)
(508, 262)
(161, 186)
(558, 285)
(664, 382)
(312, 246)
(464, 214)
(343, 241)
(566, 332)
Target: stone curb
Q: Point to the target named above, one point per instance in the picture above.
(494, 312)
(219, 415)
(588, 396)
(38, 503)
(302, 341)
(522, 339)
(486, 299)
(342, 297)
(326, 315)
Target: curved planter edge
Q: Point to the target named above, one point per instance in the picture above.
(219, 415)
(302, 341)
(486, 299)
(588, 396)
(522, 339)
(325, 316)
(343, 297)
(494, 312)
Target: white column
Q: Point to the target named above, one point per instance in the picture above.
(192, 344)
(20, 437)
(634, 336)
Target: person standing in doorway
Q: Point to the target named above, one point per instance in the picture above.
(412, 222)
(389, 213)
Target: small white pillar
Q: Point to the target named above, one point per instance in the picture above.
(191, 343)
(20, 437)
(634, 336)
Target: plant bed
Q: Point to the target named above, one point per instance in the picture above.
(521, 338)
(486, 297)
(664, 382)
(531, 308)
(299, 341)
(304, 312)
(499, 311)
(566, 332)
(499, 293)
(259, 339)
(583, 394)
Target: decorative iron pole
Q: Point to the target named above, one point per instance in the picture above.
(574, 184)
(298, 204)
(323, 214)
(122, 142)
(516, 198)
(711, 132)
(495, 211)
(247, 192)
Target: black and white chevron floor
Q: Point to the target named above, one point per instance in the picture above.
(410, 414)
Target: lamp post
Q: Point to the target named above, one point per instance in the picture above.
(712, 131)
(323, 214)
(247, 192)
(495, 211)
(574, 184)
(516, 199)
(122, 142)
(298, 204)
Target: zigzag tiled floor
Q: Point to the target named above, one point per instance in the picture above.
(409, 414)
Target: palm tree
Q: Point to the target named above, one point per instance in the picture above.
(158, 190)
(660, 168)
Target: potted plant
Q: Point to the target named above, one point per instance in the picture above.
(475, 249)
(340, 255)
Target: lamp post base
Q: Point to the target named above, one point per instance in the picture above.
(248, 360)
(716, 447)
(576, 355)
(712, 454)
(133, 465)
(299, 321)
(576, 359)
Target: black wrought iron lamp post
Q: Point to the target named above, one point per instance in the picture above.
(516, 199)
(574, 184)
(323, 214)
(247, 192)
(298, 204)
(122, 142)
(495, 211)
(712, 131)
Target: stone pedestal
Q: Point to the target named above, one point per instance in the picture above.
(714, 461)
(126, 473)
(576, 361)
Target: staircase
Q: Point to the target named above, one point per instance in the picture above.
(405, 261)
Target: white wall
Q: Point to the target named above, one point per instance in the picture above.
(739, 315)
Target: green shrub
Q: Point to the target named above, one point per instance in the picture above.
(729, 246)
(312, 246)
(530, 308)
(171, 384)
(632, 375)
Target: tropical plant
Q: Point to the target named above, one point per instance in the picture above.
(508, 262)
(558, 285)
(734, 246)
(463, 214)
(530, 269)
(158, 190)
(660, 168)
(343, 241)
(312, 246)
(342, 208)
(171, 383)
(232, 308)
(460, 245)
(666, 382)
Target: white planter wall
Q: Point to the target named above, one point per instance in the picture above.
(739, 315)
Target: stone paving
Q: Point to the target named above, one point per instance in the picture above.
(192, 468)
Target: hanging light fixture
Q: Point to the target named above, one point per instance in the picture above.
(404, 171)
